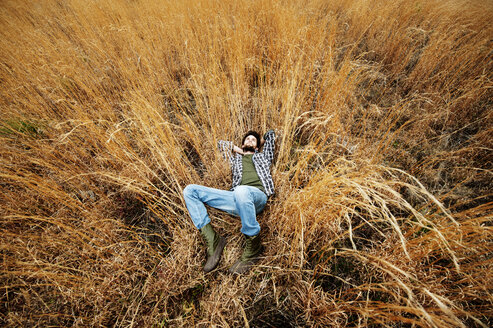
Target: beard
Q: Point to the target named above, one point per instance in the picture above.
(248, 149)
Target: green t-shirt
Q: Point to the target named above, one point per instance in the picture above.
(250, 176)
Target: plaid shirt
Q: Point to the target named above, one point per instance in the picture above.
(261, 160)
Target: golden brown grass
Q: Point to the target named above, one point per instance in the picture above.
(383, 209)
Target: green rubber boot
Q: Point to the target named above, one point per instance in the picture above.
(215, 245)
(253, 248)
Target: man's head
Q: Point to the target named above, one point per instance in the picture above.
(251, 141)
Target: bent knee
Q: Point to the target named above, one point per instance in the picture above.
(241, 193)
(189, 189)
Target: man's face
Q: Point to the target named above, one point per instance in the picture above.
(250, 143)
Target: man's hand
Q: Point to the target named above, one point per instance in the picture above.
(238, 150)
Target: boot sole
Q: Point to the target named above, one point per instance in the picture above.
(217, 253)
(241, 267)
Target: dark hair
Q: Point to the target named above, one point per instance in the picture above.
(252, 133)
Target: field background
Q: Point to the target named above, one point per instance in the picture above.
(383, 211)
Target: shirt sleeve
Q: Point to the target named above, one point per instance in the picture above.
(268, 150)
(226, 149)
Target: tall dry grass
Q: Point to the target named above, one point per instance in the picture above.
(383, 209)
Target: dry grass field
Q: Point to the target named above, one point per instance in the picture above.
(383, 209)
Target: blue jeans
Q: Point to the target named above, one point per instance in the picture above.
(244, 201)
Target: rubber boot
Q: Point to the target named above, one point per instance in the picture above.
(215, 245)
(250, 255)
